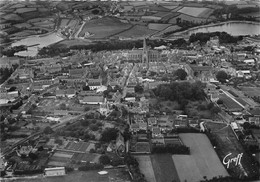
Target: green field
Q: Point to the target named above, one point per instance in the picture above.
(104, 27)
(203, 160)
(136, 31)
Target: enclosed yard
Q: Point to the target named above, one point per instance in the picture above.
(119, 175)
(203, 160)
(104, 27)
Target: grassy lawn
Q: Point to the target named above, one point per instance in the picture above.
(119, 175)
(164, 168)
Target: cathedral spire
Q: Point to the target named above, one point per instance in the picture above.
(145, 60)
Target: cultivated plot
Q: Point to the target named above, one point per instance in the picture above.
(164, 168)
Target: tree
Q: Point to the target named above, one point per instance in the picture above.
(63, 106)
(219, 101)
(33, 156)
(215, 110)
(181, 74)
(222, 76)
(47, 130)
(93, 127)
(109, 134)
(139, 89)
(104, 159)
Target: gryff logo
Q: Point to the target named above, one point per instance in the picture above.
(236, 159)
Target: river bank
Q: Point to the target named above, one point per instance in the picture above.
(185, 32)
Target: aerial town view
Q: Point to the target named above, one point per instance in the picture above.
(130, 91)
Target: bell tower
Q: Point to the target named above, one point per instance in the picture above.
(145, 60)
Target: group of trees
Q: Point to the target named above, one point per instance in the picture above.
(6, 73)
(181, 92)
(109, 45)
(223, 37)
(9, 52)
(133, 166)
(106, 160)
(109, 134)
(181, 74)
(222, 76)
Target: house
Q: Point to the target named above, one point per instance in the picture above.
(92, 100)
(117, 96)
(60, 113)
(56, 171)
(94, 84)
(51, 68)
(120, 143)
(134, 127)
(250, 61)
(156, 132)
(70, 93)
(202, 73)
(77, 73)
(66, 93)
(243, 74)
(152, 121)
(24, 73)
(25, 150)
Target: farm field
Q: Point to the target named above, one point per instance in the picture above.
(168, 29)
(25, 10)
(72, 42)
(157, 26)
(64, 22)
(164, 168)
(136, 31)
(171, 7)
(198, 163)
(119, 175)
(104, 27)
(145, 166)
(225, 138)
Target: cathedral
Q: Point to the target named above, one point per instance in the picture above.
(144, 56)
